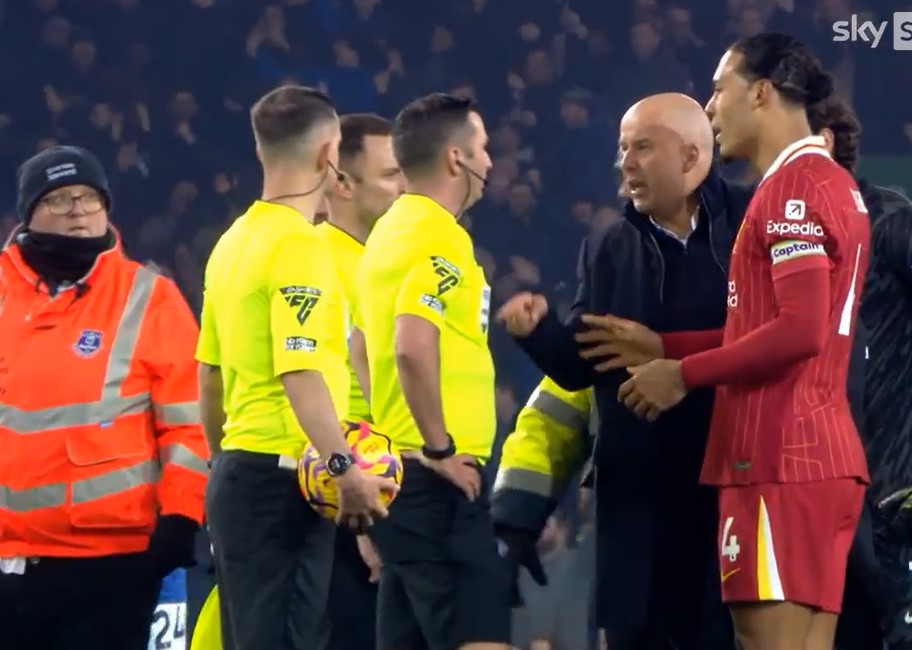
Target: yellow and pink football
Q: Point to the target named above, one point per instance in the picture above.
(374, 453)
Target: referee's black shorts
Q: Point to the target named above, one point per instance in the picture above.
(443, 583)
(273, 554)
(352, 598)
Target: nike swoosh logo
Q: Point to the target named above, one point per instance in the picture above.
(728, 574)
(908, 618)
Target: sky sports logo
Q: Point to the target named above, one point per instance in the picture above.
(856, 30)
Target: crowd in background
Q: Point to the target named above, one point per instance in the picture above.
(160, 90)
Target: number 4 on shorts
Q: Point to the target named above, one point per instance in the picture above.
(730, 548)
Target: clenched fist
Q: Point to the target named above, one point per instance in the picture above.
(522, 313)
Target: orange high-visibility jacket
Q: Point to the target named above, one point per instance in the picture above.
(100, 427)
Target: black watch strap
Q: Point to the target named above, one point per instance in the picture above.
(440, 454)
(338, 464)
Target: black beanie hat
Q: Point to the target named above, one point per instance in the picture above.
(58, 167)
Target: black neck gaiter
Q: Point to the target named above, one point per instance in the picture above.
(58, 258)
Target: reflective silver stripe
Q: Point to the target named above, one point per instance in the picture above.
(524, 480)
(97, 487)
(46, 496)
(593, 420)
(58, 417)
(131, 320)
(111, 405)
(178, 414)
(119, 480)
(559, 411)
(184, 457)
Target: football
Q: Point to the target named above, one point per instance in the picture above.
(374, 453)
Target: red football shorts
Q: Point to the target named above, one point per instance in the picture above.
(788, 541)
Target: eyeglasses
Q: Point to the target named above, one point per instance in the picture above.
(64, 204)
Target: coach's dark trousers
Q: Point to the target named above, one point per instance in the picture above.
(273, 554)
(79, 604)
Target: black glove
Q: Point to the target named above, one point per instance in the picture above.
(518, 548)
(173, 544)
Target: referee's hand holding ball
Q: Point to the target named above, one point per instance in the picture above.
(360, 500)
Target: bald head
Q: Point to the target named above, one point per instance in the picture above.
(678, 113)
(665, 151)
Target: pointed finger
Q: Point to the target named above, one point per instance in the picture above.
(642, 408)
(597, 351)
(593, 336)
(626, 389)
(615, 363)
(633, 400)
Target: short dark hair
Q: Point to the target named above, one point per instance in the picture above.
(358, 126)
(285, 115)
(790, 65)
(425, 127)
(837, 116)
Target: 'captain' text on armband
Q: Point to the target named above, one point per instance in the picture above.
(793, 249)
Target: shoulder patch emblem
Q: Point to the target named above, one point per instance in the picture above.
(302, 300)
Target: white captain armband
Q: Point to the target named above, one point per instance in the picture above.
(793, 249)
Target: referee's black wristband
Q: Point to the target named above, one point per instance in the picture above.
(440, 454)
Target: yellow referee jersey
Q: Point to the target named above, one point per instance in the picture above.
(272, 304)
(418, 260)
(346, 252)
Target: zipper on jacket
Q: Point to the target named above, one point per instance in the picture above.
(712, 242)
(658, 251)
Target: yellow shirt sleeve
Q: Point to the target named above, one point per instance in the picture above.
(427, 285)
(304, 304)
(207, 346)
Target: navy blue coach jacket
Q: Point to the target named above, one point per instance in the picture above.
(647, 474)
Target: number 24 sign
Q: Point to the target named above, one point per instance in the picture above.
(169, 627)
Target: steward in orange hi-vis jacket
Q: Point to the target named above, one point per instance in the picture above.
(103, 461)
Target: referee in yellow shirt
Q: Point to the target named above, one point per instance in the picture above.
(369, 182)
(272, 354)
(423, 305)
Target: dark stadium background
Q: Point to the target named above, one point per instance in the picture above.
(159, 89)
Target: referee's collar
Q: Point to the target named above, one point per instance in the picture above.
(423, 202)
(267, 207)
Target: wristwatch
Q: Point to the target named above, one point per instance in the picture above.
(440, 454)
(338, 464)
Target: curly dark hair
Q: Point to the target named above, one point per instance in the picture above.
(837, 116)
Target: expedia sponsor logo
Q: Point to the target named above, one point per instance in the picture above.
(806, 228)
(789, 250)
(732, 294)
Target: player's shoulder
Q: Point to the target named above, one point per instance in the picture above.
(808, 173)
(810, 181)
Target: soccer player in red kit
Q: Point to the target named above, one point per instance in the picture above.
(783, 447)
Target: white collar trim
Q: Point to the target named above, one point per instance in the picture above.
(813, 144)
